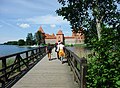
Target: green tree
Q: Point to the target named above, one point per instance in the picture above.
(81, 13)
(101, 21)
(21, 42)
(11, 43)
(38, 37)
(29, 39)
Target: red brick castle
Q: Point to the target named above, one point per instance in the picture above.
(76, 38)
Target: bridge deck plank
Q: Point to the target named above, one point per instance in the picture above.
(48, 74)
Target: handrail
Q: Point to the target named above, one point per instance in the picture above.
(20, 64)
(78, 66)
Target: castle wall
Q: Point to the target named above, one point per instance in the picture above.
(51, 41)
(79, 41)
(69, 41)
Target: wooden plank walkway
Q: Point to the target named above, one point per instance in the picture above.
(48, 74)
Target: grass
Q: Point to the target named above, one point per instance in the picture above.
(8, 62)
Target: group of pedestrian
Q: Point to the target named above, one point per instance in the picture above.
(59, 49)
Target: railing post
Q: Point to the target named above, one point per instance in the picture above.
(35, 52)
(27, 58)
(2, 84)
(68, 58)
(18, 63)
(83, 72)
(32, 57)
(75, 66)
(4, 65)
(40, 49)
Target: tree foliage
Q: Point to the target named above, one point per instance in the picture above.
(38, 37)
(11, 43)
(29, 39)
(101, 21)
(80, 13)
(21, 42)
(103, 67)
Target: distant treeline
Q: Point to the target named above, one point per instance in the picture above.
(37, 39)
(19, 42)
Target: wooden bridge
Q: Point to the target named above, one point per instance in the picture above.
(32, 69)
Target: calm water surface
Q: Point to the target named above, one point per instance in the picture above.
(80, 51)
(11, 49)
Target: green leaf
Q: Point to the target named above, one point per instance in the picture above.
(118, 83)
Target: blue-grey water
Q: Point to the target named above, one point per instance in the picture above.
(11, 49)
(80, 51)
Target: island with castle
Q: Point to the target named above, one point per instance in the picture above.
(76, 38)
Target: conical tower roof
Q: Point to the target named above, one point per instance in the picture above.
(41, 30)
(53, 34)
(60, 32)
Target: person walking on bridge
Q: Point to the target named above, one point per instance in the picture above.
(61, 51)
(49, 51)
(57, 49)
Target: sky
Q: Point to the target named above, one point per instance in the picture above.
(20, 17)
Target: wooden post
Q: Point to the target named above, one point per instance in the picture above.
(70, 61)
(40, 51)
(68, 58)
(32, 55)
(18, 62)
(75, 66)
(27, 58)
(4, 65)
(83, 72)
(2, 83)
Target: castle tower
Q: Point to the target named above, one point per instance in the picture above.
(41, 30)
(60, 36)
(73, 33)
(43, 34)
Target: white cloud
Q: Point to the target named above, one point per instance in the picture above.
(47, 19)
(52, 25)
(24, 25)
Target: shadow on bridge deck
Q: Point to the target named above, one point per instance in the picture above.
(48, 74)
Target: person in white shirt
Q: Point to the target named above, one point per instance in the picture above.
(57, 50)
(61, 51)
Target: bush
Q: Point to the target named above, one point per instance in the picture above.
(103, 67)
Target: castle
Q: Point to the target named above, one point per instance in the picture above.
(76, 38)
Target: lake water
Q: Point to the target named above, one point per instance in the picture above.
(11, 49)
(80, 51)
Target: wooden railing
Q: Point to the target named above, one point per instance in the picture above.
(14, 66)
(78, 66)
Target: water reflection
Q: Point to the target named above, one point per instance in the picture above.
(80, 51)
